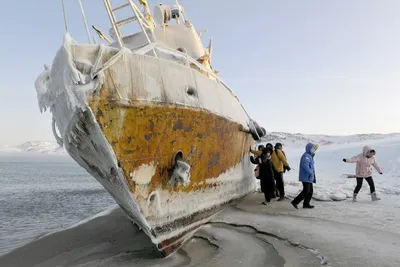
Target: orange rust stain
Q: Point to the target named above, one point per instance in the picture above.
(150, 133)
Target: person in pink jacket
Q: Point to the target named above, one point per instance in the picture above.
(364, 163)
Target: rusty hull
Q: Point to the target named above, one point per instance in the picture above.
(143, 132)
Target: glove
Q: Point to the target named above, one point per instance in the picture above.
(252, 160)
(288, 168)
(344, 160)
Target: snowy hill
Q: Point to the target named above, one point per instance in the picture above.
(298, 139)
(44, 147)
(41, 147)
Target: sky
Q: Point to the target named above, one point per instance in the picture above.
(310, 66)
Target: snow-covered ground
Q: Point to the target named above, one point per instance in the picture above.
(364, 233)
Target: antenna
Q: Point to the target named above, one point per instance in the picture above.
(210, 49)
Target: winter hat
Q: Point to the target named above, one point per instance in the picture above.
(267, 149)
(277, 145)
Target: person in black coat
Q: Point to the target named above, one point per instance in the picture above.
(266, 174)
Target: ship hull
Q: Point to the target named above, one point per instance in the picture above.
(170, 155)
(175, 212)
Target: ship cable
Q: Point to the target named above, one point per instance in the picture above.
(65, 17)
(85, 21)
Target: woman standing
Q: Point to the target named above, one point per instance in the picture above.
(307, 177)
(265, 173)
(364, 163)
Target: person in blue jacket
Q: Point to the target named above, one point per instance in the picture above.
(307, 177)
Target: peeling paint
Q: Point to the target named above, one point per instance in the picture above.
(214, 160)
(148, 136)
(143, 174)
(221, 140)
(178, 125)
(188, 128)
(129, 151)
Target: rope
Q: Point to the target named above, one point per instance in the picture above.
(86, 24)
(65, 17)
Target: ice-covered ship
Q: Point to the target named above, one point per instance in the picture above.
(147, 116)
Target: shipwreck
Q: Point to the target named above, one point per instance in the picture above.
(147, 116)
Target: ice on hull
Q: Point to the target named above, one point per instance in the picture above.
(127, 117)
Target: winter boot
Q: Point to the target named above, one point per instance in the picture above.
(294, 204)
(354, 197)
(374, 197)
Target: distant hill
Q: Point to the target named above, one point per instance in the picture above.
(44, 147)
(41, 147)
(298, 139)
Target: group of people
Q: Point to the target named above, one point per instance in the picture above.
(272, 163)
